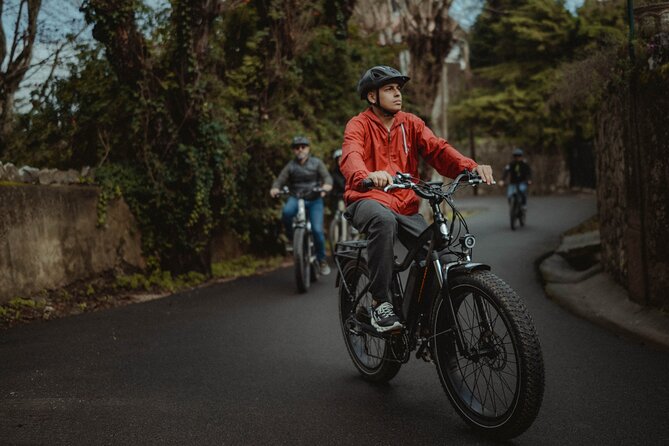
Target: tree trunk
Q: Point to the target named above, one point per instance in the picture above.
(17, 60)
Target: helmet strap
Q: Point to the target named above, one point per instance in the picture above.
(378, 105)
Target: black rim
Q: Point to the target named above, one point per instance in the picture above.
(367, 351)
(485, 385)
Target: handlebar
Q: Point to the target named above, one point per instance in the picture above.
(284, 191)
(427, 189)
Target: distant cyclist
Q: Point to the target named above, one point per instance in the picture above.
(520, 176)
(338, 180)
(304, 173)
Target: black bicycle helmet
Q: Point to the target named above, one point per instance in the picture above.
(300, 141)
(517, 151)
(378, 76)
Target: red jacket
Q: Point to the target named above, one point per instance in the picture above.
(369, 146)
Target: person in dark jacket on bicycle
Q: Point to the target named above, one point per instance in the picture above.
(302, 174)
(378, 143)
(338, 180)
(520, 176)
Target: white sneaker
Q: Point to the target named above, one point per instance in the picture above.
(325, 268)
(384, 318)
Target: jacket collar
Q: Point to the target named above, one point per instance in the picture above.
(399, 118)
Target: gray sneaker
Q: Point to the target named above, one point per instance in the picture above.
(384, 318)
(324, 267)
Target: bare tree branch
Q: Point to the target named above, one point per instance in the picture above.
(18, 65)
(3, 37)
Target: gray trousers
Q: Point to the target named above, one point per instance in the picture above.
(383, 227)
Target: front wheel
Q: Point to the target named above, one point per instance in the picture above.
(495, 381)
(315, 267)
(302, 260)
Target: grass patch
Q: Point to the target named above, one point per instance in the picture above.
(159, 281)
(164, 281)
(19, 302)
(111, 290)
(243, 266)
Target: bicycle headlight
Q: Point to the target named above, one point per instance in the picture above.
(468, 241)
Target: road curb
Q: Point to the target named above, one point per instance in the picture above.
(595, 296)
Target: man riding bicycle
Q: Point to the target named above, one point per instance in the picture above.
(519, 174)
(338, 180)
(303, 174)
(378, 143)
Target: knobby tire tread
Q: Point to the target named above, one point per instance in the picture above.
(529, 354)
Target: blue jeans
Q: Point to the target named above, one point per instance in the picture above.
(314, 210)
(520, 187)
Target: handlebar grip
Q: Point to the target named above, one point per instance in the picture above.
(367, 183)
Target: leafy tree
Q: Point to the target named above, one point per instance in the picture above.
(522, 51)
(188, 111)
(78, 120)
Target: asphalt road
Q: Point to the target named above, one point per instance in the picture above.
(251, 362)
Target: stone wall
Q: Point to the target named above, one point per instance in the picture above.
(633, 198)
(26, 174)
(49, 237)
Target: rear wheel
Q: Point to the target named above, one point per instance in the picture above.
(301, 260)
(373, 356)
(496, 383)
(514, 210)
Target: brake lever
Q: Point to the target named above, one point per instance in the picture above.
(395, 186)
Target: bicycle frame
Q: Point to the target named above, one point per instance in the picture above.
(435, 271)
(300, 220)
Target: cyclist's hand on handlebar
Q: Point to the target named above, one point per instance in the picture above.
(380, 178)
(274, 192)
(326, 188)
(485, 172)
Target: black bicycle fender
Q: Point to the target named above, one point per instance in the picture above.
(452, 270)
(467, 268)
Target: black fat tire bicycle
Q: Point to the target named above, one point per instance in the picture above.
(457, 314)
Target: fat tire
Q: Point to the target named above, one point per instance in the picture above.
(514, 212)
(301, 260)
(530, 384)
(387, 369)
(315, 267)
